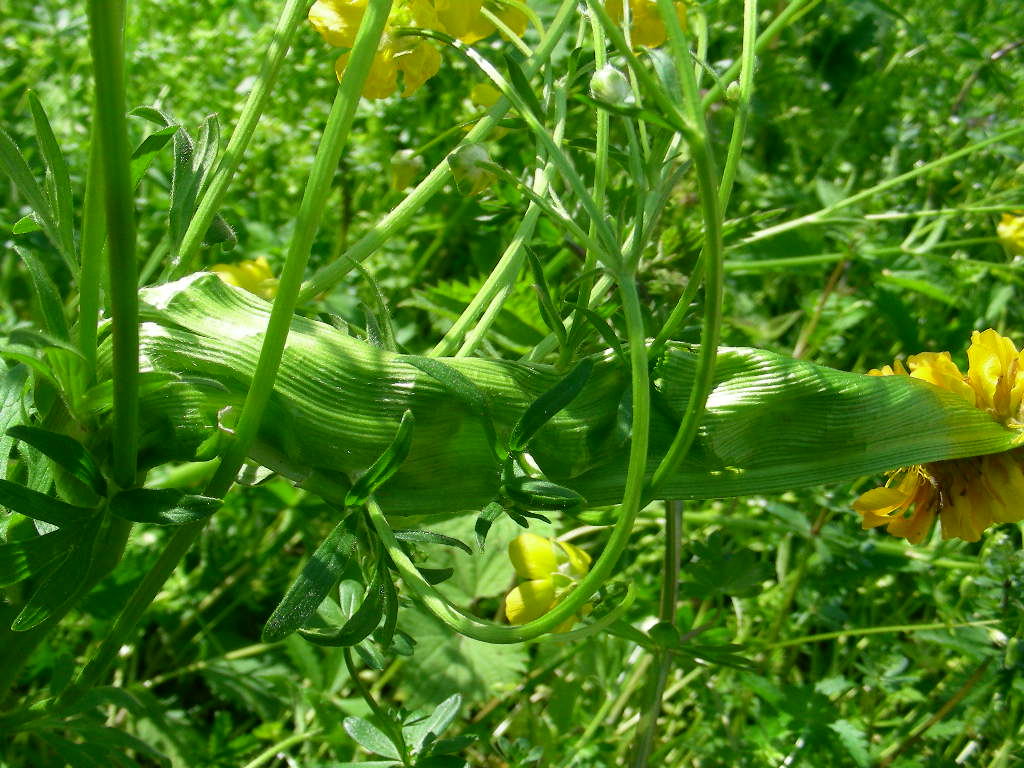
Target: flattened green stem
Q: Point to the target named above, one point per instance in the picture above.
(704, 163)
(106, 38)
(400, 217)
(335, 134)
(292, 14)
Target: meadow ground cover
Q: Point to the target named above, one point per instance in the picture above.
(612, 272)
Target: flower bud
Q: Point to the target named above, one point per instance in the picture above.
(468, 165)
(610, 85)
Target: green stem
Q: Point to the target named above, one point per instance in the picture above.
(647, 728)
(336, 132)
(91, 254)
(292, 14)
(399, 218)
(106, 39)
(739, 125)
(826, 636)
(713, 249)
(272, 752)
(394, 732)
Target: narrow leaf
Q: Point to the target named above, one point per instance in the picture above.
(521, 85)
(548, 404)
(13, 164)
(165, 506)
(465, 391)
(318, 578)
(383, 468)
(47, 295)
(66, 452)
(63, 206)
(20, 560)
(146, 152)
(62, 586)
(430, 537)
(361, 623)
(423, 734)
(485, 520)
(39, 506)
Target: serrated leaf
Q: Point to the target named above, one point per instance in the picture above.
(370, 737)
(854, 739)
(383, 468)
(66, 452)
(164, 506)
(317, 579)
(40, 506)
(548, 404)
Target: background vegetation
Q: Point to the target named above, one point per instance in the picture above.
(810, 642)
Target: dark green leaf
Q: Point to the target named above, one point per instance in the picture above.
(465, 391)
(548, 404)
(47, 295)
(362, 621)
(429, 537)
(485, 520)
(436, 575)
(20, 560)
(370, 737)
(14, 165)
(39, 506)
(420, 736)
(62, 586)
(534, 493)
(548, 311)
(146, 152)
(521, 85)
(165, 506)
(66, 452)
(383, 468)
(318, 578)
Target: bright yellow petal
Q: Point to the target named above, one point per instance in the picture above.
(880, 502)
(529, 601)
(578, 561)
(417, 66)
(532, 556)
(994, 373)
(383, 78)
(337, 21)
(939, 369)
(253, 276)
(457, 17)
(1011, 233)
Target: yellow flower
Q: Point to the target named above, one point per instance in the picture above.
(253, 276)
(646, 27)
(1011, 233)
(337, 21)
(548, 570)
(967, 494)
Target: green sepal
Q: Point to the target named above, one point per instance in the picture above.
(63, 585)
(383, 468)
(40, 506)
(534, 493)
(319, 576)
(164, 506)
(466, 392)
(548, 404)
(20, 560)
(65, 452)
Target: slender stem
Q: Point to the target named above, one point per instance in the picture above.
(400, 217)
(106, 39)
(713, 248)
(739, 125)
(826, 636)
(292, 15)
(336, 132)
(271, 752)
(647, 728)
(394, 732)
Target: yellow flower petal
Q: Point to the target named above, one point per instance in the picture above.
(417, 66)
(530, 600)
(253, 276)
(939, 369)
(457, 17)
(532, 556)
(1011, 233)
(337, 21)
(578, 561)
(996, 373)
(383, 78)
